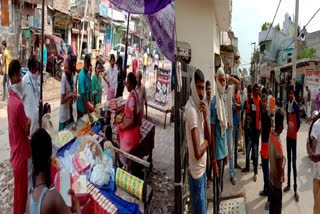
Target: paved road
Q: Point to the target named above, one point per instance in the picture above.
(254, 203)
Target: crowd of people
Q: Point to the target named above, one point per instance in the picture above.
(31, 146)
(236, 119)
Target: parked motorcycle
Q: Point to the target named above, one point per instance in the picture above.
(315, 117)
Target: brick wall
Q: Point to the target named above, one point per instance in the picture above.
(62, 5)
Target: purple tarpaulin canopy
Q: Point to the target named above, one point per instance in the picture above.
(161, 25)
(141, 6)
(160, 17)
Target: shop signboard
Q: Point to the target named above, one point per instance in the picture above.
(62, 21)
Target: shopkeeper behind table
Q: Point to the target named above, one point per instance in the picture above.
(68, 95)
(97, 83)
(84, 89)
(129, 128)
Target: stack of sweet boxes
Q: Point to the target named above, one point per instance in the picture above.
(101, 204)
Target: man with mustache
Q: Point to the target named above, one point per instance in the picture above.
(197, 131)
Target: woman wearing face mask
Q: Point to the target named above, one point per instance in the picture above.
(111, 78)
(68, 95)
(19, 129)
(31, 93)
(96, 84)
(129, 128)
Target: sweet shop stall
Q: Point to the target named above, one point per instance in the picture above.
(86, 158)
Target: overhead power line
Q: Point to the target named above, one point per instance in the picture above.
(274, 17)
(304, 27)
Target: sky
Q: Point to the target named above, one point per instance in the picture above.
(249, 15)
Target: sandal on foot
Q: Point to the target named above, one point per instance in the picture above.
(296, 196)
(255, 178)
(233, 181)
(267, 206)
(263, 193)
(286, 189)
(245, 170)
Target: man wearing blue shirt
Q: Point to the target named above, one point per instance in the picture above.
(45, 61)
(219, 125)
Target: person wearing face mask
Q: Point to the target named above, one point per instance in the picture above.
(111, 78)
(68, 95)
(31, 93)
(198, 140)
(19, 130)
(219, 125)
(84, 90)
(229, 92)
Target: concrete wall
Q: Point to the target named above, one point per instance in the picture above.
(8, 33)
(195, 24)
(313, 40)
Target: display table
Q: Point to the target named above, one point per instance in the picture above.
(166, 109)
(146, 145)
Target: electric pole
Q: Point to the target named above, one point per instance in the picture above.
(254, 61)
(84, 21)
(295, 48)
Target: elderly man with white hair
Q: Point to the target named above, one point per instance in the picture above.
(219, 125)
(142, 94)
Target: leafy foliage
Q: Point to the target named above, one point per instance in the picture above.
(278, 27)
(265, 26)
(307, 53)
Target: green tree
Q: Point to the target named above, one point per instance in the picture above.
(265, 26)
(278, 27)
(307, 53)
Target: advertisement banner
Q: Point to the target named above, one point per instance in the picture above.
(264, 71)
(311, 79)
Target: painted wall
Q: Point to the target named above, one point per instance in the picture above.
(195, 23)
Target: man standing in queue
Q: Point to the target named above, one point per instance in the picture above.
(197, 131)
(219, 125)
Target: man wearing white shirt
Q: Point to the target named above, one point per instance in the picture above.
(315, 135)
(209, 154)
(31, 93)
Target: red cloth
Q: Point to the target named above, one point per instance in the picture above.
(278, 145)
(135, 67)
(20, 174)
(130, 138)
(256, 101)
(265, 150)
(248, 107)
(292, 126)
(20, 150)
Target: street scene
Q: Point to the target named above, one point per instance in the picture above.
(248, 91)
(99, 75)
(162, 106)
